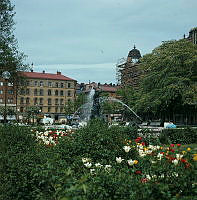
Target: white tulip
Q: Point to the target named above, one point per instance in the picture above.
(127, 148)
(107, 167)
(88, 164)
(84, 160)
(119, 159)
(130, 162)
(98, 165)
(92, 171)
(179, 156)
(175, 162)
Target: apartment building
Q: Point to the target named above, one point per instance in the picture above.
(11, 97)
(50, 92)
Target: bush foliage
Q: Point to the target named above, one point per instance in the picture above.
(179, 136)
(30, 170)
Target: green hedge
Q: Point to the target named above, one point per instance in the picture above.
(22, 165)
(178, 136)
(29, 170)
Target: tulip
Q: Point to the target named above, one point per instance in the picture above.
(175, 161)
(119, 159)
(131, 162)
(88, 164)
(126, 148)
(98, 165)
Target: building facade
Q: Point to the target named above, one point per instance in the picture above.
(193, 35)
(129, 71)
(8, 97)
(49, 92)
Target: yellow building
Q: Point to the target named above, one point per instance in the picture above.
(50, 92)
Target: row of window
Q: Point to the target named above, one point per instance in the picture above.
(57, 109)
(40, 92)
(9, 92)
(9, 100)
(40, 101)
(49, 84)
(9, 84)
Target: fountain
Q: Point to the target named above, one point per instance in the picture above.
(92, 108)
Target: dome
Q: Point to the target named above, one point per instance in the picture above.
(134, 53)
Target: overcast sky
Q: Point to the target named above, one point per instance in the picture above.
(84, 38)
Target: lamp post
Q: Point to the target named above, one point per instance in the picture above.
(6, 75)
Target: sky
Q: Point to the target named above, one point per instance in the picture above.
(84, 39)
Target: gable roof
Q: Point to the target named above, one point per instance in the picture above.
(44, 75)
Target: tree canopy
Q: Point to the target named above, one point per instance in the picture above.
(169, 79)
(10, 57)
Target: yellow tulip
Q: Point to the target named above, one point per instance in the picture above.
(183, 152)
(195, 158)
(188, 149)
(135, 162)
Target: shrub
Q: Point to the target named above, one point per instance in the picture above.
(20, 157)
(178, 136)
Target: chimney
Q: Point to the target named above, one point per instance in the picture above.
(43, 71)
(58, 73)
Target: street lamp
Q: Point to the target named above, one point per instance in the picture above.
(6, 75)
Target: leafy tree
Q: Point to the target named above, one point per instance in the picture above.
(69, 108)
(10, 58)
(168, 83)
(32, 112)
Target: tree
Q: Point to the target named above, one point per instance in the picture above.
(10, 58)
(32, 112)
(168, 83)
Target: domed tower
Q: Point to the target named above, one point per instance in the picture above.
(134, 55)
(193, 35)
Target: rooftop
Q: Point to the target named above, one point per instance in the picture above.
(44, 75)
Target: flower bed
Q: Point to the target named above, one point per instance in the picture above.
(95, 162)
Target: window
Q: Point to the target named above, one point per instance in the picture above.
(69, 100)
(56, 84)
(27, 83)
(22, 100)
(27, 100)
(61, 101)
(41, 92)
(10, 100)
(10, 92)
(21, 109)
(56, 101)
(1, 91)
(69, 93)
(35, 92)
(61, 109)
(22, 92)
(69, 85)
(49, 93)
(62, 85)
(41, 101)
(49, 109)
(49, 101)
(27, 92)
(35, 83)
(56, 109)
(41, 84)
(35, 101)
(56, 92)
(49, 84)
(1, 83)
(1, 100)
(61, 93)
